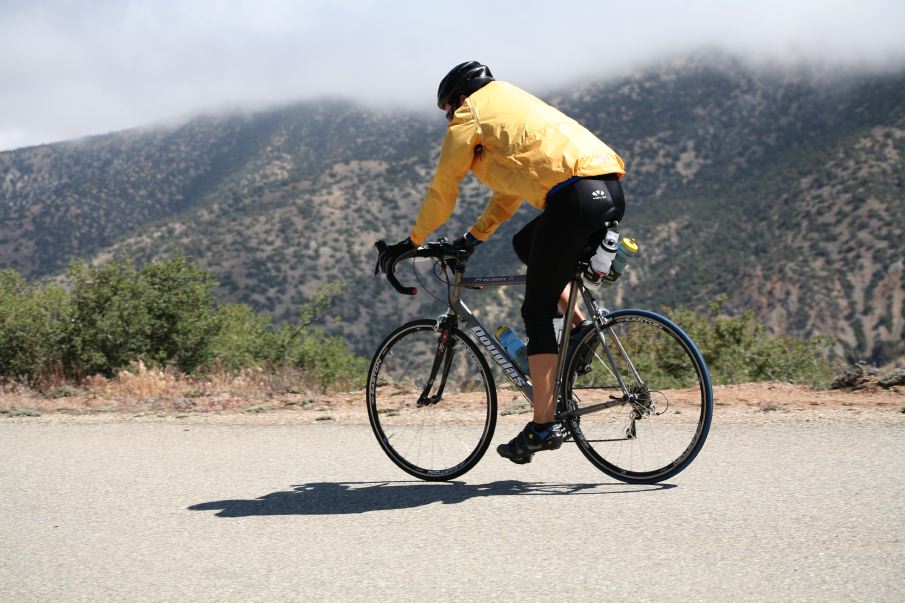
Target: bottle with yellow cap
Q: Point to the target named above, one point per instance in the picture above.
(627, 250)
(603, 259)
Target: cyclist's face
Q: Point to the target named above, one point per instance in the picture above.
(450, 110)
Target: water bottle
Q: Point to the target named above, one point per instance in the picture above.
(517, 350)
(628, 249)
(603, 258)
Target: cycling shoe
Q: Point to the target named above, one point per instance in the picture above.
(532, 439)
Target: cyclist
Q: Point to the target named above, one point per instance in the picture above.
(523, 149)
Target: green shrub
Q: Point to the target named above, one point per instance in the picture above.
(737, 349)
(162, 313)
(181, 309)
(34, 328)
(247, 339)
(243, 338)
(111, 325)
(326, 359)
(893, 378)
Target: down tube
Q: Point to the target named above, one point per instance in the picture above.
(496, 351)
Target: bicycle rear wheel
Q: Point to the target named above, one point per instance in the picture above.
(654, 427)
(431, 400)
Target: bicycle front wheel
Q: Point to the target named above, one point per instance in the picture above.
(431, 400)
(650, 426)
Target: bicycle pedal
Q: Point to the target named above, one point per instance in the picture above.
(523, 460)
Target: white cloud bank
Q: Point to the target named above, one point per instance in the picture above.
(70, 69)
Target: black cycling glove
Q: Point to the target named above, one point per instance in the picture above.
(468, 242)
(388, 256)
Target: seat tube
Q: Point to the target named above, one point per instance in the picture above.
(598, 318)
(563, 347)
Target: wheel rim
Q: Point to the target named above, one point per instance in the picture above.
(662, 427)
(433, 439)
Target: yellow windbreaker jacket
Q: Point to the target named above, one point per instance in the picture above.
(526, 147)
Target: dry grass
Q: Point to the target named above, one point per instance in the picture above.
(256, 395)
(141, 389)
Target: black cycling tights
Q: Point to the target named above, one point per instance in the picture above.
(551, 245)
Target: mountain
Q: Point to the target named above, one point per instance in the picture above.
(781, 188)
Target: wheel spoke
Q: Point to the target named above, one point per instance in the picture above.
(669, 401)
(444, 437)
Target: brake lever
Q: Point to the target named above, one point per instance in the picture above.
(380, 245)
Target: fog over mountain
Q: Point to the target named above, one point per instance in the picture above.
(76, 69)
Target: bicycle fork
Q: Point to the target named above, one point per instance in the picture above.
(442, 358)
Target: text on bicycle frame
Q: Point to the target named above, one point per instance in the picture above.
(498, 356)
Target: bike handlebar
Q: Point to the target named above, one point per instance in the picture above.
(381, 245)
(441, 249)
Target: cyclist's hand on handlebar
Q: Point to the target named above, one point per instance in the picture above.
(467, 242)
(390, 254)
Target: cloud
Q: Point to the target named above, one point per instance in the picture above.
(76, 68)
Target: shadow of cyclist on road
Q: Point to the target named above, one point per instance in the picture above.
(348, 498)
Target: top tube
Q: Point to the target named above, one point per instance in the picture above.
(492, 281)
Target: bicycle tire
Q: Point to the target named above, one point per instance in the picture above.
(459, 426)
(663, 428)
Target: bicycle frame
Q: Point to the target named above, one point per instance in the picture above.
(459, 310)
(603, 372)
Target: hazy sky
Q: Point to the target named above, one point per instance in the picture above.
(79, 67)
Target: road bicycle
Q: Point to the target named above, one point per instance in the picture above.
(632, 391)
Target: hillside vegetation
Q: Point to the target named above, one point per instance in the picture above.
(784, 190)
(118, 319)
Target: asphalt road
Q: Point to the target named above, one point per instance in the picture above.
(130, 511)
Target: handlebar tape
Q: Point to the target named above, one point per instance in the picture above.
(381, 246)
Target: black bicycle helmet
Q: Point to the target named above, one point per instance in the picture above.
(464, 78)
